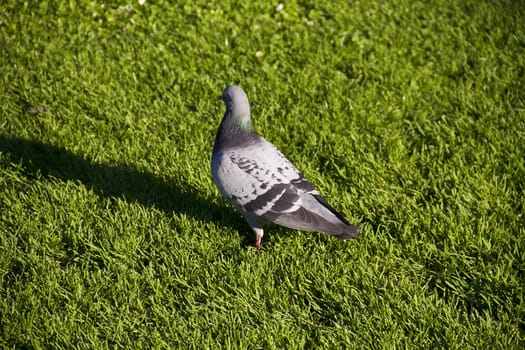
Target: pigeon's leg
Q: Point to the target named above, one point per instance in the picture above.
(258, 236)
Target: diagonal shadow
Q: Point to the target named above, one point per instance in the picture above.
(110, 181)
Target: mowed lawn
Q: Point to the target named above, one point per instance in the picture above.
(407, 115)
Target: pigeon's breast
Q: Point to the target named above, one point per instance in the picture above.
(233, 182)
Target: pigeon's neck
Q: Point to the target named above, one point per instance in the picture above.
(235, 130)
(237, 117)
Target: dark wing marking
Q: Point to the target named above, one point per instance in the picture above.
(302, 184)
(279, 197)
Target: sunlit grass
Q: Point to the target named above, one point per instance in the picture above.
(409, 116)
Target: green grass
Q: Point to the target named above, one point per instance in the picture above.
(409, 116)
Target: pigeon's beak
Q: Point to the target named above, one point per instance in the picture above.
(220, 97)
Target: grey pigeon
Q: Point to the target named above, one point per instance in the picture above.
(261, 183)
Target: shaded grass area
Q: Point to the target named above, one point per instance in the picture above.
(408, 116)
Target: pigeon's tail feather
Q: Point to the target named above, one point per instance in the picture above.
(350, 231)
(303, 219)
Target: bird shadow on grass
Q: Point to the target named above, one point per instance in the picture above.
(113, 181)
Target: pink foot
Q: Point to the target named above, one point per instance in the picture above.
(258, 237)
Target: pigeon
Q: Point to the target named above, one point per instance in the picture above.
(264, 186)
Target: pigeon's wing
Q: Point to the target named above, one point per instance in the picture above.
(266, 187)
(253, 175)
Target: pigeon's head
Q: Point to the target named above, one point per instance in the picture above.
(236, 102)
